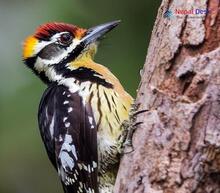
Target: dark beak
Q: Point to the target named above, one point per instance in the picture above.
(95, 33)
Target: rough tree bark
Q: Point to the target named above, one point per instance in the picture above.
(177, 148)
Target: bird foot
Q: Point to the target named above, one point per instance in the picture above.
(129, 126)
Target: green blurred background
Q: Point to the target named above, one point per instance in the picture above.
(24, 166)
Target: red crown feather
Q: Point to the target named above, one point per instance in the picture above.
(45, 31)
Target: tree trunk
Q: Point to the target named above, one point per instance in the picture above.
(177, 148)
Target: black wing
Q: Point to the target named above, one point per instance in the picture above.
(69, 133)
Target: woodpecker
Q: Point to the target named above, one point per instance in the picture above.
(82, 110)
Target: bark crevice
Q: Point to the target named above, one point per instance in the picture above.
(177, 148)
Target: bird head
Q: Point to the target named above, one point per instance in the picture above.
(50, 51)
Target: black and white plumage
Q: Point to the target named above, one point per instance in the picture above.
(70, 138)
(81, 111)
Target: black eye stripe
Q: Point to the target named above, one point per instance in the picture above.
(70, 57)
(50, 51)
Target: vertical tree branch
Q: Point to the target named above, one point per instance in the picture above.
(177, 148)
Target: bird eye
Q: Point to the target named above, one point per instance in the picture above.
(65, 39)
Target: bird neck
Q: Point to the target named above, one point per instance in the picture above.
(82, 69)
(95, 72)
